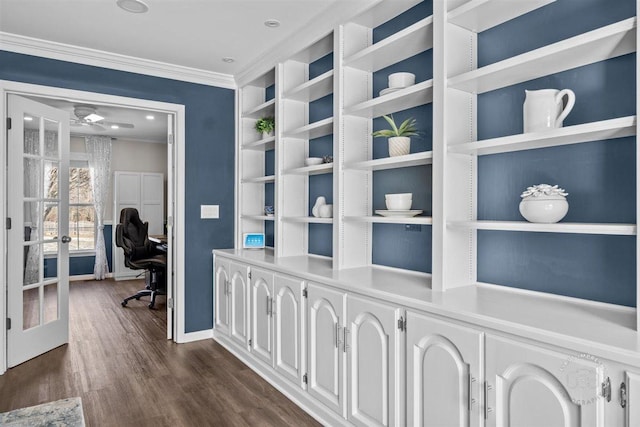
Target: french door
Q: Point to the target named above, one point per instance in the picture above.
(38, 208)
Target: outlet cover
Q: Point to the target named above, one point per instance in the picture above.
(209, 211)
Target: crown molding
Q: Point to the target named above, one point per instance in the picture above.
(82, 55)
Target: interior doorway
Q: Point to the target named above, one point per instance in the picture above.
(83, 104)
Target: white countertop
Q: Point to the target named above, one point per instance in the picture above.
(603, 330)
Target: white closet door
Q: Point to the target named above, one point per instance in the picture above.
(144, 192)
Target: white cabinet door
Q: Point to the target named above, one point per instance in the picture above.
(443, 373)
(143, 191)
(262, 314)
(632, 405)
(221, 290)
(326, 352)
(239, 304)
(529, 386)
(373, 363)
(288, 326)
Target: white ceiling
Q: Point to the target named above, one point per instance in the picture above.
(190, 33)
(144, 130)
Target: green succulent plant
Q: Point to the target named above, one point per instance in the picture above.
(407, 128)
(265, 124)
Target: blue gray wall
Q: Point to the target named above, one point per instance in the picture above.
(209, 156)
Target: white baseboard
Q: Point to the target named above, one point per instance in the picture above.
(194, 336)
(300, 397)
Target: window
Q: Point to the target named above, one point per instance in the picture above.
(82, 226)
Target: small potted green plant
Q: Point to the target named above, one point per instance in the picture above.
(265, 126)
(398, 136)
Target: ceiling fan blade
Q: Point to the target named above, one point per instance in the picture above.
(97, 126)
(120, 125)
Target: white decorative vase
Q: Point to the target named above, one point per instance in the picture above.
(399, 146)
(320, 201)
(266, 135)
(326, 211)
(544, 209)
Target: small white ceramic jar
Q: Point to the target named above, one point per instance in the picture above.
(544, 209)
(400, 80)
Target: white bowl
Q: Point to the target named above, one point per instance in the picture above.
(544, 210)
(398, 80)
(398, 196)
(311, 161)
(399, 202)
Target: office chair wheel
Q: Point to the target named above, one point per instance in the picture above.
(150, 306)
(124, 303)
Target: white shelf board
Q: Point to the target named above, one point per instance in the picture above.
(595, 131)
(395, 48)
(560, 227)
(262, 110)
(409, 97)
(415, 159)
(261, 145)
(312, 130)
(311, 170)
(313, 89)
(260, 179)
(480, 15)
(308, 219)
(259, 217)
(423, 220)
(597, 45)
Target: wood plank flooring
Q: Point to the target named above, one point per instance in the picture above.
(120, 363)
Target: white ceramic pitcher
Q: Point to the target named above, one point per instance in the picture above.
(543, 109)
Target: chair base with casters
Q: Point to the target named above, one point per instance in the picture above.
(152, 289)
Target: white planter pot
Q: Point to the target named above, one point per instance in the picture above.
(266, 135)
(544, 209)
(399, 146)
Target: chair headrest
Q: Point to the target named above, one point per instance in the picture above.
(132, 226)
(129, 215)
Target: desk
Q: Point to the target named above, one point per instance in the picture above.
(159, 238)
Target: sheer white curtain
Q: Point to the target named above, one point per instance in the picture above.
(32, 209)
(99, 155)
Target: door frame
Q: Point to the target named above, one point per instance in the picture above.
(175, 207)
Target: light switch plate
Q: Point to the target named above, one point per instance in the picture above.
(209, 211)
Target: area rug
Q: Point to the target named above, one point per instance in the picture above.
(61, 413)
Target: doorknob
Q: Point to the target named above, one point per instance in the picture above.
(66, 239)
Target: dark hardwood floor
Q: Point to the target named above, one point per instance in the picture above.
(120, 363)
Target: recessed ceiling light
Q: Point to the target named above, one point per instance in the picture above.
(28, 118)
(115, 127)
(228, 59)
(272, 23)
(133, 6)
(149, 117)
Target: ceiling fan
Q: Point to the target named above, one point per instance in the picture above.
(86, 115)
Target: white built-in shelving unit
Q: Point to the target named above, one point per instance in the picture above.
(296, 91)
(457, 80)
(252, 104)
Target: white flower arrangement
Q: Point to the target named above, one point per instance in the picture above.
(543, 190)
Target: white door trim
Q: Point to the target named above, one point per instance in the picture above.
(178, 148)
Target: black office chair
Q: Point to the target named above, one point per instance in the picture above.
(140, 254)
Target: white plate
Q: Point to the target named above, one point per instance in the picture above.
(399, 213)
(390, 90)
